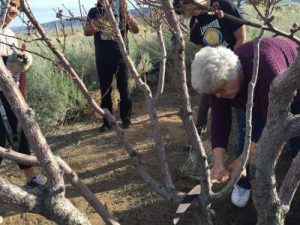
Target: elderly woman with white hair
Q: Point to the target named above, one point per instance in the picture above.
(211, 30)
(225, 75)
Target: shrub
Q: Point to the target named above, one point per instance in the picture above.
(51, 93)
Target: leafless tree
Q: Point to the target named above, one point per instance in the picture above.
(271, 205)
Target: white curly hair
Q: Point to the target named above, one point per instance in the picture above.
(211, 67)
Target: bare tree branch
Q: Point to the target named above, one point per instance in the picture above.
(163, 59)
(71, 175)
(267, 26)
(167, 193)
(32, 131)
(186, 111)
(149, 100)
(62, 211)
(245, 155)
(290, 183)
(19, 198)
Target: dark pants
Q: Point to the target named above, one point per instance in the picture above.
(257, 126)
(13, 122)
(202, 112)
(105, 74)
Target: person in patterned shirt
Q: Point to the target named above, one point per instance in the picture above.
(109, 60)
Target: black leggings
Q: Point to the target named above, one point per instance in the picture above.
(13, 122)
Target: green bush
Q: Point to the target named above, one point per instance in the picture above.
(50, 92)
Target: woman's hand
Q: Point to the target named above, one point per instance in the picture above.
(219, 173)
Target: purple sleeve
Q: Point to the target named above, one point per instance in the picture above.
(221, 121)
(273, 62)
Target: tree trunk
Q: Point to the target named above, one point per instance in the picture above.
(270, 209)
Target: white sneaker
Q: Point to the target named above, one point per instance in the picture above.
(240, 196)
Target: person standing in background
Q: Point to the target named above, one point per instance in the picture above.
(10, 130)
(225, 75)
(211, 30)
(109, 60)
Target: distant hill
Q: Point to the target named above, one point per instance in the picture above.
(75, 23)
(51, 25)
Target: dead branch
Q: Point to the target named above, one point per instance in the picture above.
(55, 198)
(69, 173)
(149, 100)
(86, 193)
(267, 26)
(249, 106)
(19, 157)
(163, 59)
(21, 199)
(185, 108)
(186, 111)
(32, 131)
(62, 211)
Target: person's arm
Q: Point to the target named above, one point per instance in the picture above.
(93, 22)
(91, 27)
(234, 164)
(220, 130)
(240, 36)
(238, 30)
(218, 170)
(133, 26)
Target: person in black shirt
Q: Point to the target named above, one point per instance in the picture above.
(209, 30)
(109, 60)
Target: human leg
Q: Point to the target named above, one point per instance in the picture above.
(244, 182)
(17, 140)
(203, 110)
(125, 98)
(242, 190)
(105, 76)
(31, 179)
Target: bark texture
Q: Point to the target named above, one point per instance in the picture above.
(277, 132)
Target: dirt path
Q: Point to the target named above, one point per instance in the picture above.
(102, 163)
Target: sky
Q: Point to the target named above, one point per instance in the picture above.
(43, 9)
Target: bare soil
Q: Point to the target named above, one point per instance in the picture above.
(102, 163)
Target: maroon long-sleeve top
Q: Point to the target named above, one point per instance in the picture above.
(276, 55)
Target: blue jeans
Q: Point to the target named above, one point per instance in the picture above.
(257, 127)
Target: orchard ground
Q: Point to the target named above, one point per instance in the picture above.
(102, 163)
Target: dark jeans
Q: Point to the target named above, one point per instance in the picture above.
(105, 75)
(12, 119)
(203, 109)
(257, 126)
